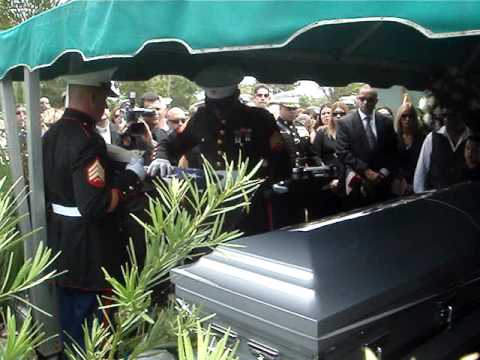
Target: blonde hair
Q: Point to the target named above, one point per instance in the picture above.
(413, 120)
(341, 105)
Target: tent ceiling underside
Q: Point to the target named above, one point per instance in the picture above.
(383, 53)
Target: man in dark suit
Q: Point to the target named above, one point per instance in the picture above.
(366, 145)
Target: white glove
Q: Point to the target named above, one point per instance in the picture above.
(161, 167)
(136, 165)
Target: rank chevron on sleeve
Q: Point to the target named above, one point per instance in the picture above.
(96, 174)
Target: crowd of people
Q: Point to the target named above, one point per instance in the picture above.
(391, 154)
(380, 154)
(371, 154)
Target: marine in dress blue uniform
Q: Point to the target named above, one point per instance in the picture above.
(224, 128)
(83, 193)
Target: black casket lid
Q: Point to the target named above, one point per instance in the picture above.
(317, 278)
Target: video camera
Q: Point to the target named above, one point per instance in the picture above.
(136, 136)
(305, 179)
(132, 113)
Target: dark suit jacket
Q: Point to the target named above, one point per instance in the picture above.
(352, 144)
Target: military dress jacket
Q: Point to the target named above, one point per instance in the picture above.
(299, 148)
(79, 181)
(249, 130)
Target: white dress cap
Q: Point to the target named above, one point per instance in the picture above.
(287, 101)
(219, 81)
(100, 78)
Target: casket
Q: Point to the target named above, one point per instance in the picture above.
(400, 278)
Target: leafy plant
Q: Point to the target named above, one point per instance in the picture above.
(33, 271)
(182, 218)
(208, 346)
(20, 339)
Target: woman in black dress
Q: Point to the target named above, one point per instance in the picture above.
(325, 141)
(325, 115)
(324, 146)
(410, 140)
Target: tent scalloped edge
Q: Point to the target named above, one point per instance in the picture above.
(426, 32)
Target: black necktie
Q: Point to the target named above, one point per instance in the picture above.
(372, 141)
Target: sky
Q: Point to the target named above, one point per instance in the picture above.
(304, 88)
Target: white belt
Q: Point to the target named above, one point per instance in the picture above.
(66, 210)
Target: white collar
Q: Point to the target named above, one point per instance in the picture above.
(466, 133)
(101, 129)
(363, 115)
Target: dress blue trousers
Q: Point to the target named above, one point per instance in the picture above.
(75, 307)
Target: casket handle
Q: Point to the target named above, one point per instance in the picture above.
(221, 331)
(262, 351)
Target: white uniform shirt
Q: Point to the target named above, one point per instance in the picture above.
(373, 126)
(104, 132)
(423, 163)
(385, 172)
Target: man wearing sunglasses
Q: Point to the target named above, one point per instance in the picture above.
(262, 96)
(366, 145)
(175, 118)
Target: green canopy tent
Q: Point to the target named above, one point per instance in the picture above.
(332, 42)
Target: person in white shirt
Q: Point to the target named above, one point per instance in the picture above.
(441, 161)
(102, 127)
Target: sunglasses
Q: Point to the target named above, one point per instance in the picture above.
(367, 99)
(338, 113)
(262, 95)
(407, 116)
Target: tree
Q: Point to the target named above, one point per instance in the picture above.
(54, 90)
(278, 88)
(335, 93)
(306, 101)
(246, 89)
(180, 89)
(4, 22)
(14, 12)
